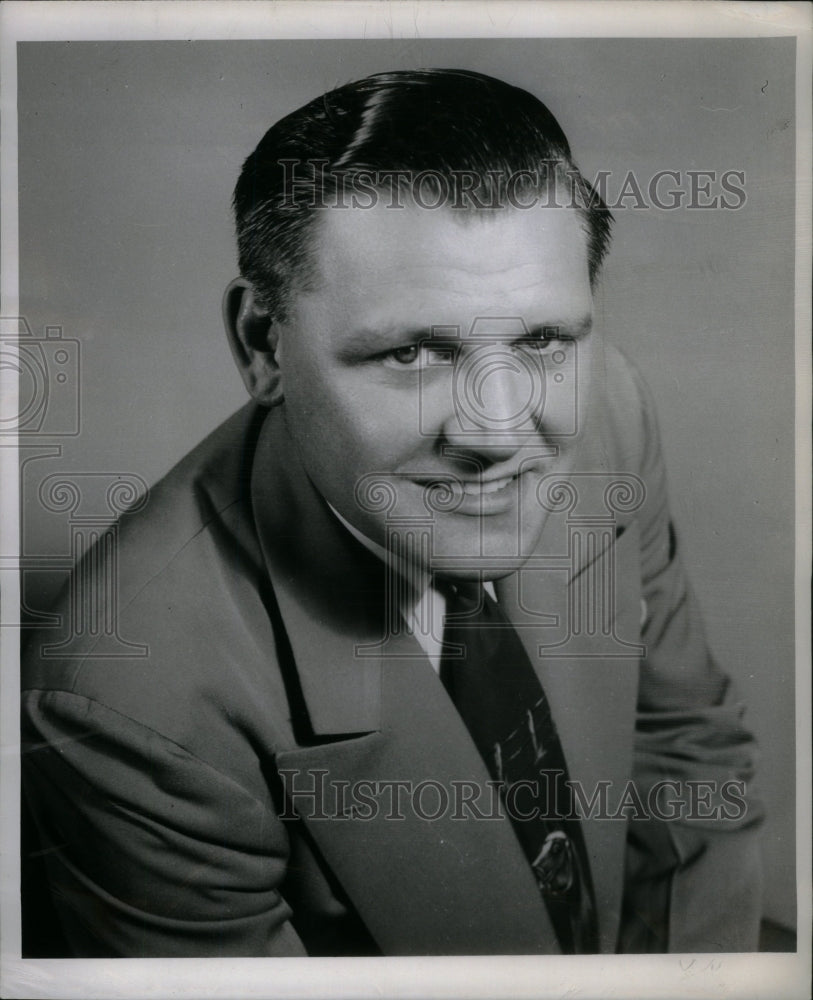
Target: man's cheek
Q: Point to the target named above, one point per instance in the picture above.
(383, 432)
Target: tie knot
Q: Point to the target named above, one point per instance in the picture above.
(462, 596)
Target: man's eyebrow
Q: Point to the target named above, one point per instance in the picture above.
(572, 329)
(377, 339)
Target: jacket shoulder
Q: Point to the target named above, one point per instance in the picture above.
(209, 480)
(623, 422)
(164, 619)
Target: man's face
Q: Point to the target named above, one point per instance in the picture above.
(487, 405)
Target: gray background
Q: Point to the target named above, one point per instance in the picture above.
(129, 152)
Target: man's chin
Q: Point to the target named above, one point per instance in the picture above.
(484, 557)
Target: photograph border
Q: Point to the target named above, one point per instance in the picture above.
(729, 975)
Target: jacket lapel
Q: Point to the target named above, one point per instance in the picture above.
(439, 880)
(424, 873)
(439, 884)
(326, 587)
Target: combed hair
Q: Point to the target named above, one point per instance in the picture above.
(445, 122)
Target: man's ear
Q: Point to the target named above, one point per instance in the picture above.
(254, 339)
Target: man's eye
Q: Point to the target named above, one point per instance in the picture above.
(420, 355)
(545, 341)
(407, 355)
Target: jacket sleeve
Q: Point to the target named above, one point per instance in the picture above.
(150, 851)
(693, 878)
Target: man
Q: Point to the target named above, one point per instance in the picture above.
(424, 674)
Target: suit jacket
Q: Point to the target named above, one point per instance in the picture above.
(189, 798)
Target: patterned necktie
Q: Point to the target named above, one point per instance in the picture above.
(495, 689)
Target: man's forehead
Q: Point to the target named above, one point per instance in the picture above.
(384, 277)
(508, 246)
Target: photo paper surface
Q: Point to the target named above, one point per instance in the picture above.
(404, 488)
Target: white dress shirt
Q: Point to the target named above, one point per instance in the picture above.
(422, 607)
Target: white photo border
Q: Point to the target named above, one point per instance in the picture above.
(753, 975)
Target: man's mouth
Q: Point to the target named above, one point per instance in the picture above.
(472, 496)
(478, 487)
(469, 487)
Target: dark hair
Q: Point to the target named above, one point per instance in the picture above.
(442, 123)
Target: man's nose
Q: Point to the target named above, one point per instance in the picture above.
(497, 400)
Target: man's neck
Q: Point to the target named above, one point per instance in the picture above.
(418, 577)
